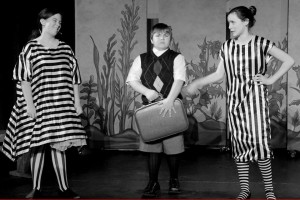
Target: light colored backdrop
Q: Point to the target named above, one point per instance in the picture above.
(294, 77)
(199, 29)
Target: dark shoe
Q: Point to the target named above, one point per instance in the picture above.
(68, 194)
(152, 190)
(244, 195)
(270, 195)
(174, 187)
(34, 194)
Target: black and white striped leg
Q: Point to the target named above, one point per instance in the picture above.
(60, 168)
(243, 172)
(37, 157)
(266, 171)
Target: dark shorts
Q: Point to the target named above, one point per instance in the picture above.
(172, 145)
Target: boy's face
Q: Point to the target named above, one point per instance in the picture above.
(161, 39)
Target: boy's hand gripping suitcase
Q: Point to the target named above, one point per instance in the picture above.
(153, 126)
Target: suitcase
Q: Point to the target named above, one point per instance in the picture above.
(152, 126)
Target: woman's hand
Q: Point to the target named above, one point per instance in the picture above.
(78, 109)
(190, 89)
(31, 112)
(262, 80)
(167, 106)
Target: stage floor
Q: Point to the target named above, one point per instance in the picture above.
(204, 173)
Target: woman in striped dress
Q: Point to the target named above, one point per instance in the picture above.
(244, 60)
(48, 106)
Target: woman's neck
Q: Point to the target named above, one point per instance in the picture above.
(244, 38)
(48, 40)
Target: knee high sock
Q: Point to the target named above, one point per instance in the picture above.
(243, 172)
(37, 157)
(60, 168)
(173, 163)
(154, 161)
(266, 171)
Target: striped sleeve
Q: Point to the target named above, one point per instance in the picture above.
(22, 70)
(221, 52)
(75, 69)
(267, 45)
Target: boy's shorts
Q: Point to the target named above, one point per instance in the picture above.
(172, 145)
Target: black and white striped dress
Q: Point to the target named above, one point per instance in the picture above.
(248, 114)
(52, 73)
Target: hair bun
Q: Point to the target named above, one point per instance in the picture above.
(253, 10)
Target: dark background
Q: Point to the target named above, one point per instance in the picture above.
(18, 19)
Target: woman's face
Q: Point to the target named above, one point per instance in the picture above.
(52, 25)
(236, 26)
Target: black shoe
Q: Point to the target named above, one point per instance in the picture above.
(34, 194)
(152, 190)
(68, 194)
(244, 195)
(174, 187)
(270, 195)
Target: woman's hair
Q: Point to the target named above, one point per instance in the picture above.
(43, 14)
(160, 27)
(244, 13)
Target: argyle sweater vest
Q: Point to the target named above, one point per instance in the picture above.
(149, 75)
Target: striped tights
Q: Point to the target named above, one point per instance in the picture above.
(266, 171)
(37, 158)
(243, 172)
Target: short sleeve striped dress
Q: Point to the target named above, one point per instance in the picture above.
(248, 112)
(52, 73)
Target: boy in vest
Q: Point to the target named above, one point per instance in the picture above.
(160, 72)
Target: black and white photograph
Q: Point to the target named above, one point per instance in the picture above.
(150, 99)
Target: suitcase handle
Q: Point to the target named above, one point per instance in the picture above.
(159, 98)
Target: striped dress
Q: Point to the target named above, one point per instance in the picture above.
(52, 73)
(248, 114)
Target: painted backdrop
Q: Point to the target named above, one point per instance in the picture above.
(294, 78)
(111, 33)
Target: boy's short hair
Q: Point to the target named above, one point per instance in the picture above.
(160, 27)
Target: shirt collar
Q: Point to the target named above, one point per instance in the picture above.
(158, 52)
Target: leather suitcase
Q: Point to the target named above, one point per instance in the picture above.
(153, 126)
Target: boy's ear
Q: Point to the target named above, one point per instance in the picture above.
(151, 40)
